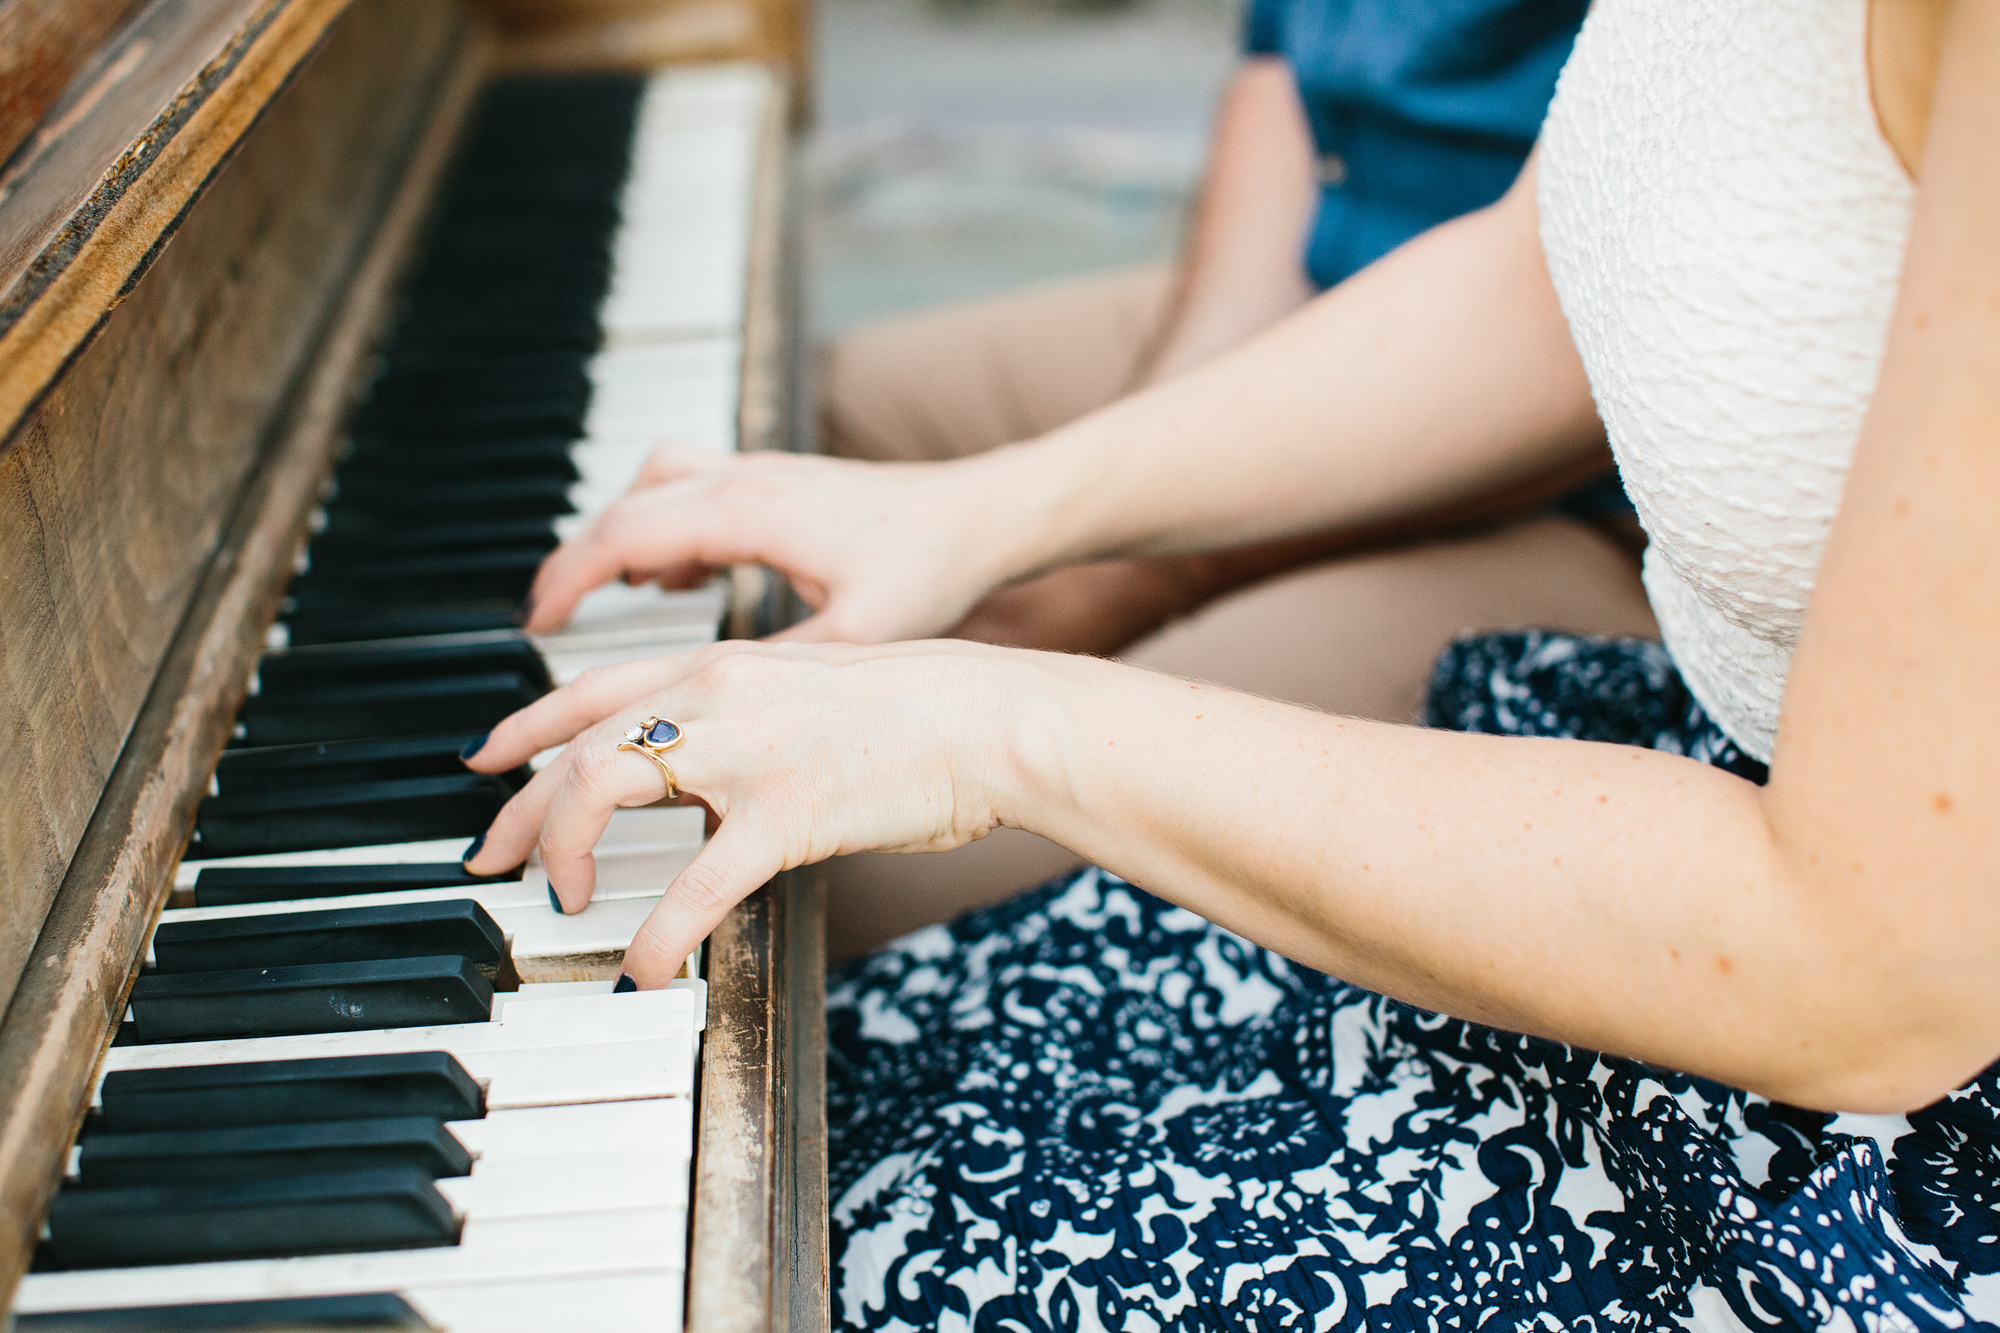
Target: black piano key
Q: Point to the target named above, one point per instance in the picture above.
(539, 456)
(233, 886)
(358, 814)
(377, 1310)
(287, 1092)
(346, 623)
(363, 663)
(267, 1152)
(425, 499)
(337, 763)
(298, 714)
(390, 1209)
(352, 535)
(320, 997)
(443, 576)
(476, 420)
(342, 935)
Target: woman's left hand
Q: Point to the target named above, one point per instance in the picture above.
(802, 752)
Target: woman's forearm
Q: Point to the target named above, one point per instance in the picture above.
(1440, 376)
(1609, 896)
(1241, 269)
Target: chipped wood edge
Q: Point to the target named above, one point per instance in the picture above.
(113, 236)
(73, 993)
(804, 1213)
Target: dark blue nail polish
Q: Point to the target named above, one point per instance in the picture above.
(625, 983)
(475, 745)
(473, 849)
(554, 901)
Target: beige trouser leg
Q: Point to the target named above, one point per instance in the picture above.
(1356, 635)
(958, 381)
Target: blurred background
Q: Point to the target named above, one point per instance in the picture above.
(968, 146)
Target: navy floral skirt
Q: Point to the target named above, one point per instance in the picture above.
(1087, 1109)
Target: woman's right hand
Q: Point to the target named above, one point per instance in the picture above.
(879, 551)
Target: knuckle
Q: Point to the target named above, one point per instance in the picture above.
(590, 773)
(704, 889)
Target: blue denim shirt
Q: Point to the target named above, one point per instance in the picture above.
(1421, 109)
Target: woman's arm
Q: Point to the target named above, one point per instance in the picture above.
(1439, 383)
(1830, 939)
(1241, 270)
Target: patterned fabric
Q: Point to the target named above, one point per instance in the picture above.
(1089, 1110)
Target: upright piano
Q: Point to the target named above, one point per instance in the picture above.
(321, 321)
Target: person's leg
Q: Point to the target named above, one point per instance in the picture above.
(1355, 635)
(958, 381)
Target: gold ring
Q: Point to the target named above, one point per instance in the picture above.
(652, 738)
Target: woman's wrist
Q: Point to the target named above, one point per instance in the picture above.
(1029, 775)
(1034, 506)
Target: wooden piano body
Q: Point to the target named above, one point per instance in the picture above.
(202, 225)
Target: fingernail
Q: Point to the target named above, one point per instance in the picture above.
(554, 901)
(475, 745)
(472, 850)
(625, 984)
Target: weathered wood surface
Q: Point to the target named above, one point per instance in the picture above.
(83, 221)
(116, 488)
(44, 44)
(643, 33)
(757, 1258)
(268, 304)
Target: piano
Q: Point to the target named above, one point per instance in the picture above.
(321, 321)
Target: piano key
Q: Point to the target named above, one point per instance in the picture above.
(300, 714)
(335, 997)
(632, 836)
(265, 1152)
(629, 1127)
(496, 652)
(352, 534)
(430, 577)
(616, 614)
(236, 886)
(328, 623)
(390, 1208)
(538, 1052)
(271, 1092)
(377, 1310)
(615, 1301)
(567, 1248)
(349, 814)
(215, 943)
(565, 1184)
(543, 945)
(336, 763)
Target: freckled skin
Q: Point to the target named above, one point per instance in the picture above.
(1942, 802)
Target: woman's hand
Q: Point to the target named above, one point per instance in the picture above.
(879, 551)
(803, 752)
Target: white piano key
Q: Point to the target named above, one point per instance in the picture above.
(566, 667)
(617, 615)
(650, 1301)
(562, 1184)
(662, 1124)
(502, 1250)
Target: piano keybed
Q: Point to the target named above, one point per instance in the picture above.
(580, 301)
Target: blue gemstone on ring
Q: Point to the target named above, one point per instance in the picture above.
(663, 733)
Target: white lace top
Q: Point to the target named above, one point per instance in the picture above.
(1725, 226)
